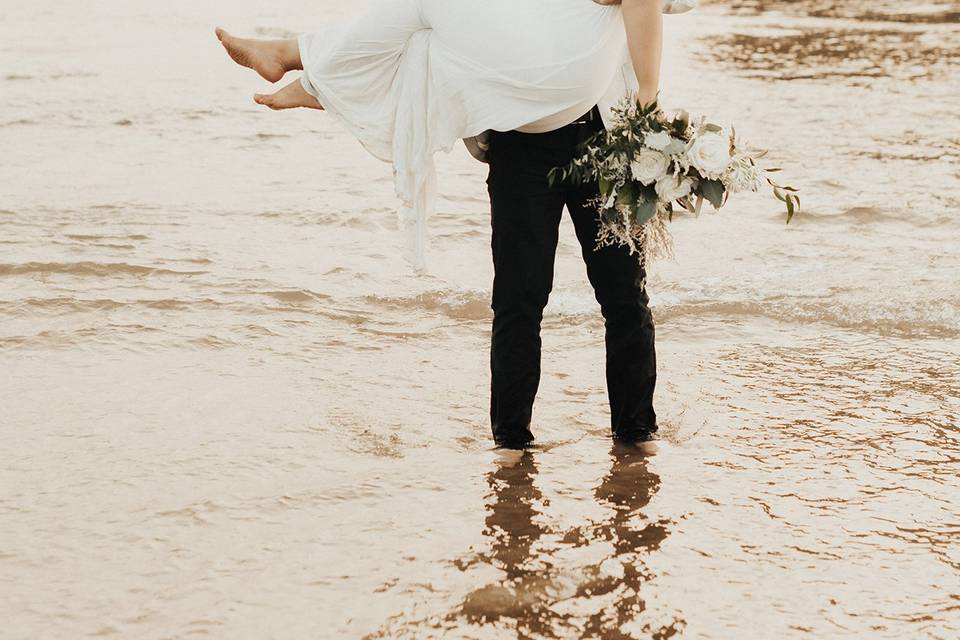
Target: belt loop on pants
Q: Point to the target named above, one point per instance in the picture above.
(588, 117)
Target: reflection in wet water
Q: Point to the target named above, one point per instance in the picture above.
(553, 599)
(553, 581)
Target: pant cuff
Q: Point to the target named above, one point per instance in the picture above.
(635, 435)
(507, 443)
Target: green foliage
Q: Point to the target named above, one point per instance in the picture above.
(624, 203)
(644, 211)
(626, 195)
(713, 191)
(787, 195)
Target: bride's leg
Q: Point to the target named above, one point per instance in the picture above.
(291, 96)
(270, 58)
(365, 47)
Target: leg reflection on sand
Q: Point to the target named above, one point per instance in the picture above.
(544, 590)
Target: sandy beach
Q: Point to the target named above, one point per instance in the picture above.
(229, 409)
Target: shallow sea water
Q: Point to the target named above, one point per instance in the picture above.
(228, 409)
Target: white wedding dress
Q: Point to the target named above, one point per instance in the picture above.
(409, 78)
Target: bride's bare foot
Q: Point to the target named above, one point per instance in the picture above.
(270, 58)
(291, 96)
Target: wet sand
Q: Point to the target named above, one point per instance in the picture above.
(228, 409)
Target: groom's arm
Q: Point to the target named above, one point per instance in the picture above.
(643, 20)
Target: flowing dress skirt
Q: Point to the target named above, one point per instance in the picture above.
(409, 78)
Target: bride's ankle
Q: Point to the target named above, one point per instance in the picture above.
(289, 51)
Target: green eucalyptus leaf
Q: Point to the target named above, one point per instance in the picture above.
(604, 187)
(647, 191)
(644, 211)
(627, 195)
(713, 190)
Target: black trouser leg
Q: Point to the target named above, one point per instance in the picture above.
(525, 218)
(618, 281)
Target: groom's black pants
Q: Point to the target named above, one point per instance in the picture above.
(525, 216)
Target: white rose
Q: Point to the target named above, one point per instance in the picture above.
(709, 153)
(649, 166)
(658, 140)
(671, 187)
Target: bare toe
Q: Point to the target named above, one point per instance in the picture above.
(290, 97)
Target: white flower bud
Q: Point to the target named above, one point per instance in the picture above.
(658, 141)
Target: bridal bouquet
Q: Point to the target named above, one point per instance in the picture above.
(647, 162)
